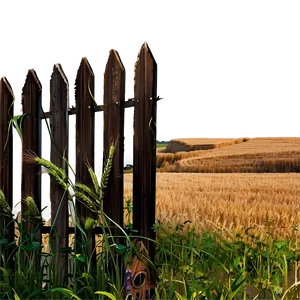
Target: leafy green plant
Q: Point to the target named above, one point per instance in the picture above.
(111, 260)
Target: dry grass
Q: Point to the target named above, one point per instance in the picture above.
(254, 155)
(231, 201)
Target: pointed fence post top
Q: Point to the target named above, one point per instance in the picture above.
(145, 50)
(58, 70)
(85, 65)
(4, 81)
(32, 78)
(114, 56)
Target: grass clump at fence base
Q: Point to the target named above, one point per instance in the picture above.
(216, 266)
(27, 272)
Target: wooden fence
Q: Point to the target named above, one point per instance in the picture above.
(144, 162)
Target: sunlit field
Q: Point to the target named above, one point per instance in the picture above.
(256, 155)
(266, 202)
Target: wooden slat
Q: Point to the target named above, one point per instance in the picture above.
(114, 98)
(31, 129)
(31, 141)
(85, 130)
(59, 124)
(144, 160)
(6, 158)
(85, 127)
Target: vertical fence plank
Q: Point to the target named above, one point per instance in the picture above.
(59, 124)
(30, 133)
(31, 129)
(144, 161)
(6, 161)
(85, 130)
(114, 97)
(85, 127)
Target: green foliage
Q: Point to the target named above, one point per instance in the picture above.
(15, 121)
(91, 94)
(189, 265)
(210, 266)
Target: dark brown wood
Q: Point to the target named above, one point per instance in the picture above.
(6, 161)
(59, 124)
(113, 134)
(85, 127)
(31, 129)
(85, 131)
(144, 161)
(31, 142)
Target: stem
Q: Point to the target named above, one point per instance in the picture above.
(245, 267)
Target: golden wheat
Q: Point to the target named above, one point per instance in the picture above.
(255, 155)
(232, 201)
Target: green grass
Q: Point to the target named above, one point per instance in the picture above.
(188, 266)
(161, 145)
(214, 266)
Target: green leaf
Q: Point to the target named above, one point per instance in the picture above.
(9, 125)
(12, 244)
(64, 291)
(80, 258)
(279, 244)
(172, 290)
(16, 295)
(121, 248)
(188, 289)
(236, 262)
(237, 285)
(157, 296)
(36, 245)
(180, 297)
(199, 274)
(18, 131)
(3, 241)
(5, 275)
(85, 276)
(109, 295)
(91, 94)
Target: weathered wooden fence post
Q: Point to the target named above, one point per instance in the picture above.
(6, 161)
(144, 160)
(31, 140)
(113, 133)
(59, 124)
(30, 133)
(85, 132)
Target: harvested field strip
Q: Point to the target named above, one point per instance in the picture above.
(193, 144)
(232, 201)
(249, 163)
(255, 155)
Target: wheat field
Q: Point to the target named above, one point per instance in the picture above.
(268, 202)
(253, 155)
